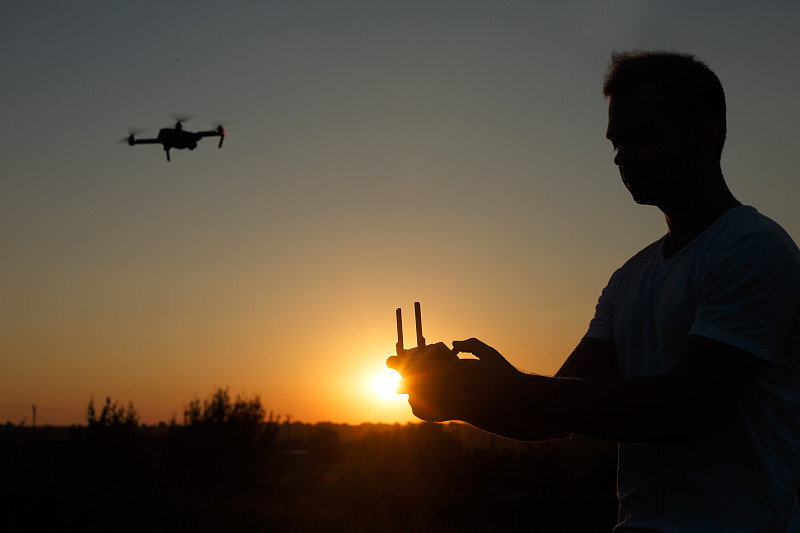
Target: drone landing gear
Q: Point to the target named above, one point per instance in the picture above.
(166, 150)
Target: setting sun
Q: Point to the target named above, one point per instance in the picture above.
(384, 384)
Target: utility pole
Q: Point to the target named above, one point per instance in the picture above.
(34, 416)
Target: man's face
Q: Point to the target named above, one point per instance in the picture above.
(653, 154)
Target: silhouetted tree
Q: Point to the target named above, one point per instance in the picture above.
(243, 419)
(224, 446)
(113, 415)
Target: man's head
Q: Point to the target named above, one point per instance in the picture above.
(666, 120)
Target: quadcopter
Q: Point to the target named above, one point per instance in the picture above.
(177, 137)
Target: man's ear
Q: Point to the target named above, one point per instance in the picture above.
(708, 134)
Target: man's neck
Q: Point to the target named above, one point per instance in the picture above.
(693, 215)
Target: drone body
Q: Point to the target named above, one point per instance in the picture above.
(179, 138)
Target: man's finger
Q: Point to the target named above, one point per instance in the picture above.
(478, 349)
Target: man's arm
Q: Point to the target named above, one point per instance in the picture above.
(679, 407)
(592, 359)
(665, 408)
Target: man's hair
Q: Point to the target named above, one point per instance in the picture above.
(690, 89)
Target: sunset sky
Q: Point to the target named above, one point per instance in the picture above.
(378, 153)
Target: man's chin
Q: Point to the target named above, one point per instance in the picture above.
(642, 197)
(643, 201)
(639, 194)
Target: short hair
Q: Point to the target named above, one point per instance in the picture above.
(690, 89)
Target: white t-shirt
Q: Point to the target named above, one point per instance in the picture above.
(738, 282)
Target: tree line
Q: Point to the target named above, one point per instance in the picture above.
(232, 466)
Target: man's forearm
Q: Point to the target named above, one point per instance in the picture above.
(641, 410)
(519, 429)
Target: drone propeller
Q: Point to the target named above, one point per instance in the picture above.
(180, 118)
(131, 133)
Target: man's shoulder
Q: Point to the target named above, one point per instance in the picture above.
(747, 219)
(744, 230)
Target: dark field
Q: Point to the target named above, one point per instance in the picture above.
(297, 477)
(231, 467)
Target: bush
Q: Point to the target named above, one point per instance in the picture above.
(113, 415)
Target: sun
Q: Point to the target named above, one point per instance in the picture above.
(383, 384)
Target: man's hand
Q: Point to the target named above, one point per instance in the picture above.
(441, 386)
(413, 356)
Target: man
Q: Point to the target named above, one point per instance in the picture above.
(692, 359)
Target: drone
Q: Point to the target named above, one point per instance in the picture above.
(177, 137)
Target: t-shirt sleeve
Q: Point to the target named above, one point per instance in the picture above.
(749, 297)
(602, 325)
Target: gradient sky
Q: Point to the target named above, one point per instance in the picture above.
(378, 153)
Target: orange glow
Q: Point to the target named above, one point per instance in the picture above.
(383, 384)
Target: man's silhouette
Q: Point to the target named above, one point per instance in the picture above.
(692, 359)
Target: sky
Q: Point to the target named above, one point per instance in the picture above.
(377, 154)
